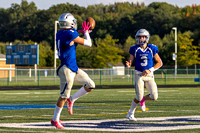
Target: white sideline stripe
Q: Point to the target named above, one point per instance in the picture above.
(25, 93)
(147, 91)
(16, 93)
(119, 125)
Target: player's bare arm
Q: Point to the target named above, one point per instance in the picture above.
(129, 62)
(79, 40)
(158, 61)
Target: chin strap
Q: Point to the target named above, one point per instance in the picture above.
(142, 43)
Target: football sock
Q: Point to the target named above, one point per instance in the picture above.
(57, 113)
(142, 101)
(133, 107)
(78, 94)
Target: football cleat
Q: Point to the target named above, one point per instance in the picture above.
(70, 106)
(142, 105)
(57, 124)
(130, 117)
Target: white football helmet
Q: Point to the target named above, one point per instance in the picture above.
(67, 21)
(142, 32)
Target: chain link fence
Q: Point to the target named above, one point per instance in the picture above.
(48, 77)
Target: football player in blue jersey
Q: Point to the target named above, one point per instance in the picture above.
(144, 54)
(67, 40)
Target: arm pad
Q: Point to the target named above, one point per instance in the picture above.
(87, 40)
(152, 69)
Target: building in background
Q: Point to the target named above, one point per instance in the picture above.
(4, 68)
(119, 69)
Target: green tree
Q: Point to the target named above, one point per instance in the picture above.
(20, 25)
(156, 40)
(4, 19)
(84, 56)
(128, 43)
(158, 18)
(167, 49)
(46, 55)
(188, 54)
(3, 47)
(107, 53)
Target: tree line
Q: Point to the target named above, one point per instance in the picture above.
(116, 26)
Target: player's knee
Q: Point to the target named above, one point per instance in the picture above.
(139, 98)
(63, 98)
(154, 96)
(136, 101)
(64, 95)
(90, 85)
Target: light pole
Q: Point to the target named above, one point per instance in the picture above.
(10, 72)
(56, 23)
(175, 56)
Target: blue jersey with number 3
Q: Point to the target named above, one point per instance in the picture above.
(143, 57)
(67, 53)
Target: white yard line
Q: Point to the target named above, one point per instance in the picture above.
(16, 93)
(119, 125)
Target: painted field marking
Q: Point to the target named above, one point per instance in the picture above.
(14, 107)
(119, 125)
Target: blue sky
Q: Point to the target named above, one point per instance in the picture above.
(45, 4)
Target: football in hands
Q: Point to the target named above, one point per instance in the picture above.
(91, 22)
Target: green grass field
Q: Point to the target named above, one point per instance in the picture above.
(99, 104)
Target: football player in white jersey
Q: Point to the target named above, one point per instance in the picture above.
(143, 54)
(67, 40)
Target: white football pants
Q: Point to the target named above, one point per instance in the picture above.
(67, 78)
(148, 82)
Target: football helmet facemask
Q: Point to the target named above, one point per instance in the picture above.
(67, 21)
(142, 41)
